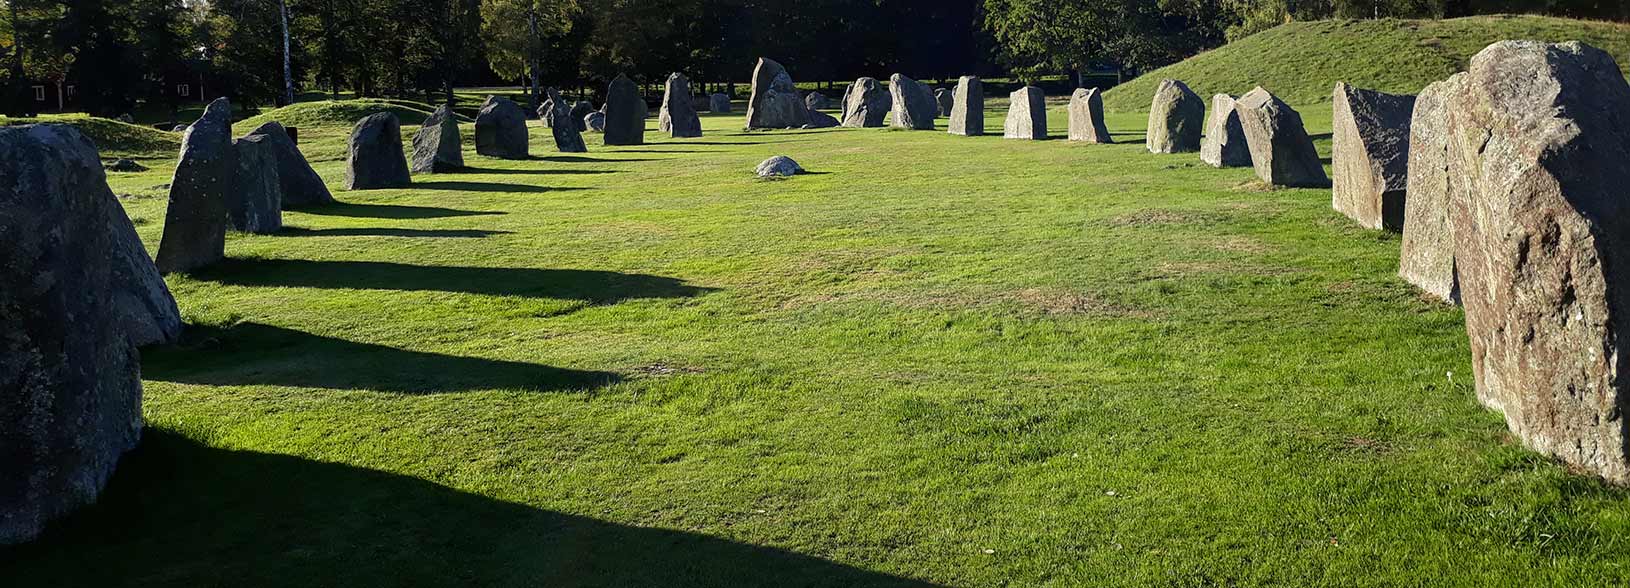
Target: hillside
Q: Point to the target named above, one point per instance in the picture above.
(1302, 61)
(338, 112)
(111, 136)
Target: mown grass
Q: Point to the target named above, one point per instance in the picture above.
(937, 360)
(1301, 62)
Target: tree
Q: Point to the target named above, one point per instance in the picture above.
(518, 31)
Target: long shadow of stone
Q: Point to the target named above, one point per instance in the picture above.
(289, 231)
(594, 287)
(257, 354)
(394, 211)
(178, 513)
(493, 187)
(583, 159)
(533, 172)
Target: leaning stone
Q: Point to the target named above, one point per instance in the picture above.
(595, 122)
(678, 117)
(719, 103)
(437, 147)
(1176, 118)
(914, 105)
(255, 202)
(563, 126)
(580, 110)
(1087, 117)
(1026, 115)
(195, 221)
(968, 110)
(1281, 151)
(779, 166)
(70, 374)
(1538, 140)
(300, 185)
(625, 113)
(500, 130)
(775, 103)
(124, 165)
(1427, 256)
(1369, 155)
(946, 100)
(374, 156)
(1224, 143)
(817, 101)
(866, 104)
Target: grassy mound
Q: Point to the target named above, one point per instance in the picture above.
(111, 136)
(1302, 61)
(339, 112)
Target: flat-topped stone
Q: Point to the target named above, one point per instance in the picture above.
(255, 203)
(1087, 117)
(1369, 155)
(374, 154)
(968, 107)
(1176, 119)
(1281, 151)
(1026, 114)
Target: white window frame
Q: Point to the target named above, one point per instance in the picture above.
(39, 93)
(183, 90)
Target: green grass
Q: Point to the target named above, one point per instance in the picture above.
(112, 138)
(936, 361)
(1301, 62)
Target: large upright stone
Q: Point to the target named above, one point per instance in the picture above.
(625, 113)
(500, 130)
(563, 125)
(1224, 143)
(374, 154)
(1369, 155)
(1176, 119)
(255, 202)
(775, 103)
(74, 303)
(1087, 117)
(1026, 115)
(866, 104)
(968, 110)
(719, 103)
(301, 186)
(946, 100)
(678, 117)
(195, 221)
(1539, 137)
(914, 106)
(1427, 256)
(437, 147)
(1281, 151)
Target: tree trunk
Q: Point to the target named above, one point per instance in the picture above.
(288, 69)
(532, 61)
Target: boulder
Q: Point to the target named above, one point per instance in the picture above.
(946, 100)
(775, 103)
(820, 120)
(1538, 140)
(500, 130)
(1026, 115)
(300, 185)
(195, 221)
(563, 126)
(71, 274)
(374, 158)
(1369, 155)
(595, 122)
(625, 113)
(1087, 117)
(719, 103)
(255, 202)
(968, 110)
(124, 165)
(779, 166)
(580, 112)
(678, 117)
(1224, 143)
(437, 147)
(914, 105)
(127, 119)
(1427, 256)
(866, 104)
(817, 101)
(1281, 151)
(1176, 118)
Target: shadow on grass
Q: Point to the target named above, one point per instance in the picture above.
(532, 172)
(394, 211)
(493, 187)
(179, 513)
(584, 159)
(594, 287)
(289, 231)
(256, 354)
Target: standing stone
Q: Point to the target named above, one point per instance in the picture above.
(968, 109)
(1427, 257)
(70, 374)
(678, 117)
(625, 113)
(946, 100)
(719, 103)
(595, 121)
(1369, 155)
(914, 105)
(563, 126)
(817, 101)
(866, 104)
(775, 103)
(1224, 143)
(437, 147)
(255, 202)
(1087, 117)
(1026, 115)
(1176, 118)
(500, 130)
(374, 157)
(195, 221)
(1539, 137)
(1281, 151)
(300, 185)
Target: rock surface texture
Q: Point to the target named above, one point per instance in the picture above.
(301, 186)
(968, 112)
(866, 104)
(1427, 256)
(779, 166)
(255, 203)
(1224, 142)
(564, 126)
(678, 117)
(719, 103)
(1281, 151)
(1026, 114)
(595, 122)
(1369, 155)
(946, 99)
(1176, 119)
(195, 221)
(775, 103)
(1087, 117)
(437, 147)
(914, 106)
(817, 101)
(374, 154)
(500, 130)
(625, 113)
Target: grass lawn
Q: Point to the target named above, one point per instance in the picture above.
(937, 360)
